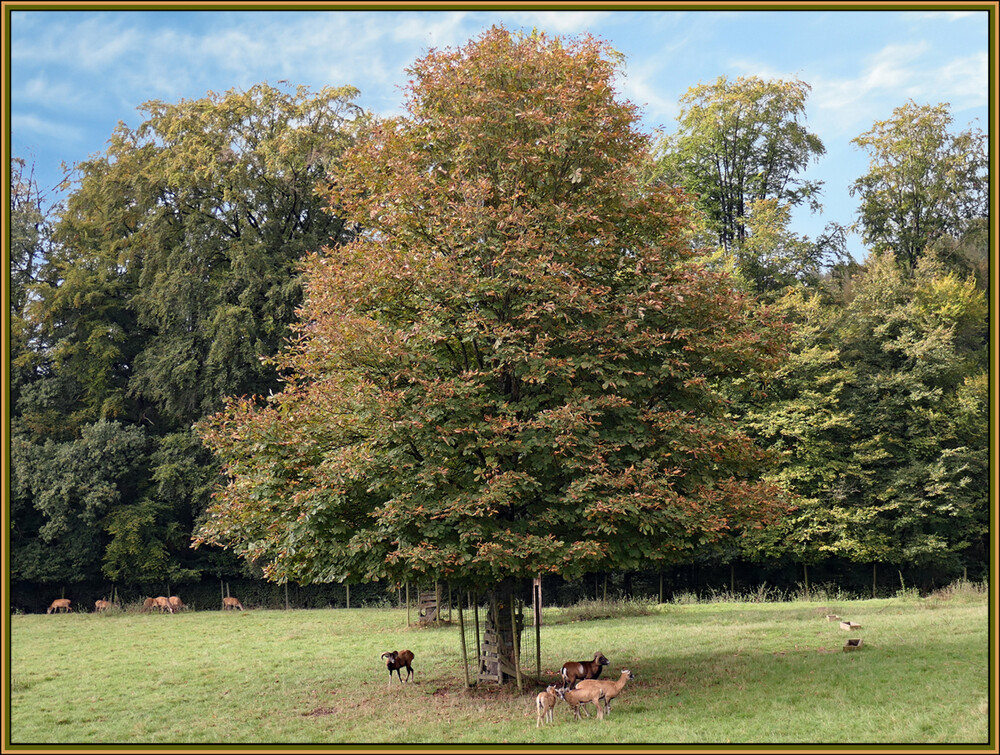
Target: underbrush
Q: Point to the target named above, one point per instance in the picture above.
(592, 610)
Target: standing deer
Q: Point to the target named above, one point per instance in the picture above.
(101, 605)
(229, 604)
(60, 604)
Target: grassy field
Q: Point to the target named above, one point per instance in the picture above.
(704, 673)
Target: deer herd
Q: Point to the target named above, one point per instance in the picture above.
(581, 682)
(173, 604)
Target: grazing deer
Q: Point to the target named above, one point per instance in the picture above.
(229, 604)
(162, 603)
(60, 604)
(101, 605)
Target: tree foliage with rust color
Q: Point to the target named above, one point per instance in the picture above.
(518, 366)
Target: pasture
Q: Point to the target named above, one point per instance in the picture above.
(711, 673)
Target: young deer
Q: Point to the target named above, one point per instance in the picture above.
(545, 702)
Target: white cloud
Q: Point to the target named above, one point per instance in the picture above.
(560, 21)
(893, 75)
(28, 128)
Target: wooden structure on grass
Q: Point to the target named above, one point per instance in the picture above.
(429, 606)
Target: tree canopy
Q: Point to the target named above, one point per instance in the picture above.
(515, 367)
(169, 273)
(740, 141)
(923, 182)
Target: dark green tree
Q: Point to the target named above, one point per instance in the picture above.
(173, 271)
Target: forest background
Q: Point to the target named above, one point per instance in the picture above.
(174, 266)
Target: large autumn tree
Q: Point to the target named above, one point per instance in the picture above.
(515, 368)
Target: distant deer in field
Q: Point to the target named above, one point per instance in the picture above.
(176, 603)
(101, 605)
(60, 604)
(229, 604)
(162, 603)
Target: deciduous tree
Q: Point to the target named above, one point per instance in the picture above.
(739, 141)
(515, 368)
(923, 181)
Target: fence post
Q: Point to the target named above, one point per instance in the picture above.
(348, 586)
(407, 602)
(479, 646)
(537, 584)
(515, 643)
(465, 652)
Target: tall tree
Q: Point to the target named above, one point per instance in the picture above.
(738, 141)
(515, 369)
(179, 246)
(923, 181)
(174, 270)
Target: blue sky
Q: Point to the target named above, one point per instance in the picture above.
(76, 74)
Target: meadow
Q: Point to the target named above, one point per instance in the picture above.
(720, 672)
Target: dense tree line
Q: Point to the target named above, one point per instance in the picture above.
(504, 334)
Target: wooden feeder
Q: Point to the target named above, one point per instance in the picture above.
(832, 617)
(849, 625)
(852, 644)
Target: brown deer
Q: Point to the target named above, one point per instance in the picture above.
(162, 603)
(101, 605)
(176, 603)
(60, 604)
(229, 604)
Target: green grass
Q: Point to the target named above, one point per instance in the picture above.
(715, 673)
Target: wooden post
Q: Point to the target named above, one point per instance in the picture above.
(347, 585)
(407, 602)
(465, 652)
(661, 587)
(515, 643)
(437, 602)
(399, 595)
(537, 595)
(805, 572)
(605, 588)
(479, 646)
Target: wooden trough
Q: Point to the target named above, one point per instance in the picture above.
(852, 644)
(849, 625)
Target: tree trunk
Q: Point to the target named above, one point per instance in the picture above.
(499, 654)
